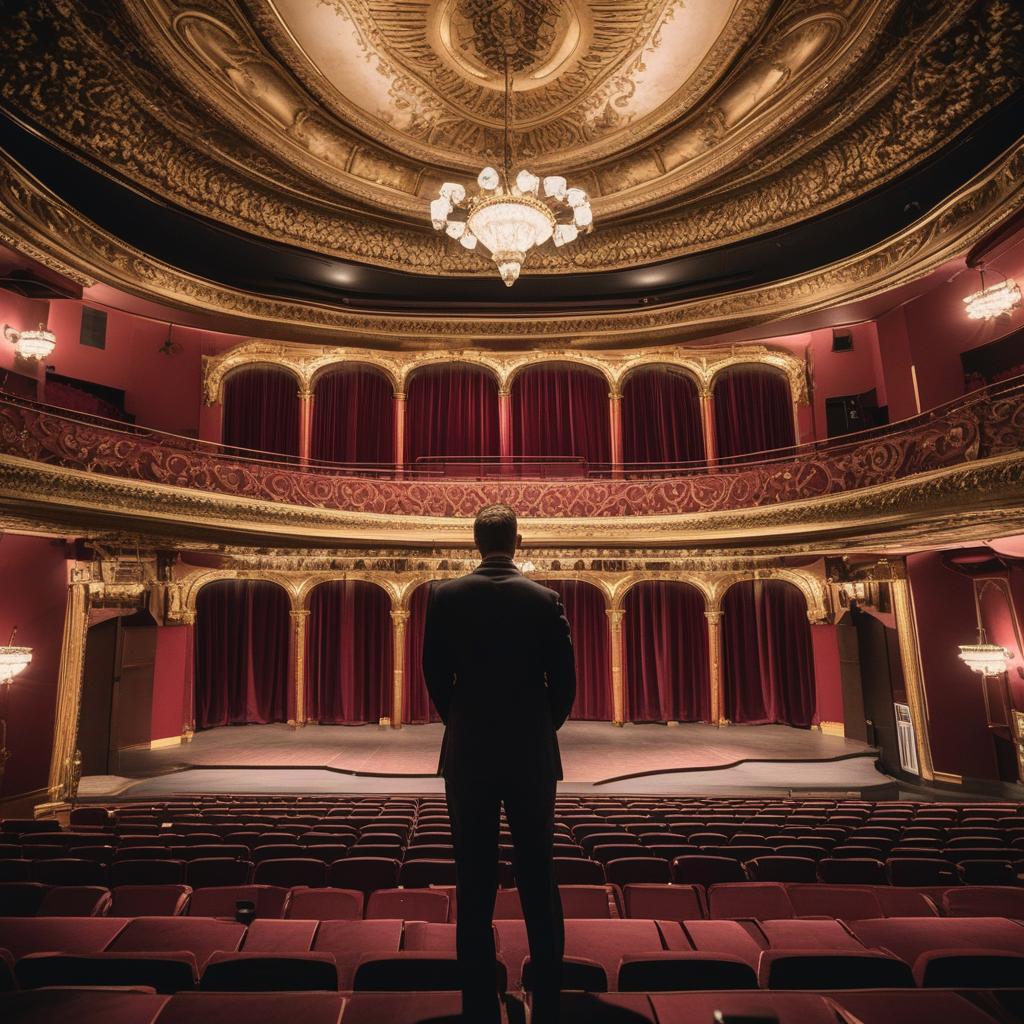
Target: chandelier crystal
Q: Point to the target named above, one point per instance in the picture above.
(993, 300)
(511, 217)
(984, 658)
(37, 344)
(13, 659)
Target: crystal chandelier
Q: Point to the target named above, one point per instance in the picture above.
(13, 659)
(37, 344)
(984, 658)
(509, 218)
(993, 300)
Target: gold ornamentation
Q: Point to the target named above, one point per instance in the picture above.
(913, 674)
(62, 785)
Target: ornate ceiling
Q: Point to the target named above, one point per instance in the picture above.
(326, 125)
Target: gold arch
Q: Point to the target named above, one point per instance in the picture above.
(813, 589)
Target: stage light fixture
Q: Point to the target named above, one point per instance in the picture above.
(36, 344)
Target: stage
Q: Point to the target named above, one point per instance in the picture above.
(597, 757)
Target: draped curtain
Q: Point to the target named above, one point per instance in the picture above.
(353, 417)
(349, 653)
(559, 411)
(665, 633)
(416, 704)
(261, 411)
(661, 420)
(767, 657)
(588, 623)
(241, 653)
(451, 411)
(753, 411)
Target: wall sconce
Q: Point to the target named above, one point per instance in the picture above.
(37, 344)
(993, 300)
(984, 658)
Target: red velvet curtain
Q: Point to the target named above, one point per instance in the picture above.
(261, 411)
(753, 411)
(416, 704)
(665, 634)
(661, 419)
(451, 411)
(241, 653)
(767, 657)
(349, 653)
(591, 640)
(560, 410)
(353, 417)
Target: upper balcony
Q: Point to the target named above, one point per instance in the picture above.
(960, 466)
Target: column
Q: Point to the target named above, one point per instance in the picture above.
(299, 618)
(188, 727)
(399, 618)
(615, 412)
(305, 424)
(399, 410)
(505, 423)
(913, 675)
(715, 664)
(69, 693)
(615, 615)
(707, 419)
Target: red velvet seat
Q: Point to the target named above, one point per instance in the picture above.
(684, 971)
(199, 936)
(220, 901)
(578, 871)
(809, 934)
(146, 872)
(403, 1008)
(164, 971)
(782, 869)
(785, 969)
(21, 899)
(44, 1006)
(349, 940)
(408, 905)
(217, 871)
(629, 870)
(908, 938)
(68, 871)
(77, 901)
(265, 972)
(898, 1006)
(578, 974)
(706, 870)
(847, 902)
(783, 1007)
(149, 900)
(273, 935)
(24, 935)
(605, 1008)
(919, 872)
(413, 971)
(762, 900)
(586, 901)
(325, 904)
(852, 871)
(254, 1008)
(669, 902)
(363, 873)
(420, 874)
(729, 937)
(971, 968)
(984, 901)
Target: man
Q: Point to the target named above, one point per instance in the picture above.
(499, 666)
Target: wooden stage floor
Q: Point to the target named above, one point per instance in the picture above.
(596, 756)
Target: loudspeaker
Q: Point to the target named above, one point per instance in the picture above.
(842, 341)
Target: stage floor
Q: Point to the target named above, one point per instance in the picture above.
(636, 758)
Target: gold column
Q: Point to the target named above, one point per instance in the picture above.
(615, 412)
(707, 420)
(615, 615)
(913, 675)
(505, 423)
(305, 424)
(399, 430)
(69, 692)
(399, 617)
(715, 665)
(299, 618)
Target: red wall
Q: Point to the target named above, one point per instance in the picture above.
(33, 595)
(172, 678)
(828, 683)
(944, 603)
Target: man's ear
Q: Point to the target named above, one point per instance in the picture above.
(519, 540)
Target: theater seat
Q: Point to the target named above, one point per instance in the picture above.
(83, 1006)
(762, 900)
(846, 902)
(852, 871)
(578, 975)
(77, 901)
(199, 936)
(898, 1006)
(784, 969)
(149, 900)
(668, 902)
(221, 901)
(68, 871)
(363, 873)
(350, 941)
(325, 904)
(578, 871)
(777, 1007)
(164, 972)
(414, 971)
(146, 872)
(683, 972)
(605, 1008)
(204, 872)
(291, 872)
(704, 870)
(24, 935)
(255, 1008)
(408, 904)
(782, 869)
(402, 1008)
(909, 937)
(585, 901)
(984, 901)
(632, 870)
(969, 968)
(262, 972)
(21, 899)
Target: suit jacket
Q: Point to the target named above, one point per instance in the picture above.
(499, 666)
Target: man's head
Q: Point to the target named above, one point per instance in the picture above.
(496, 531)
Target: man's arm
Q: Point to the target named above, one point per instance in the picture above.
(561, 666)
(437, 665)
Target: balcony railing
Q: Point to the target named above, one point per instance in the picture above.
(985, 423)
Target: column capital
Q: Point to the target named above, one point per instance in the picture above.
(398, 396)
(399, 616)
(299, 614)
(505, 391)
(615, 394)
(713, 615)
(615, 614)
(305, 394)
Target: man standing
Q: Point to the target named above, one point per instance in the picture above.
(499, 667)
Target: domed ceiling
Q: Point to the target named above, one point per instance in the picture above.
(724, 143)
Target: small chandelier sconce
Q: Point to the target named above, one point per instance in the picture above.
(35, 344)
(993, 300)
(13, 660)
(509, 217)
(984, 658)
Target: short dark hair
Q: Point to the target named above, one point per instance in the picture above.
(495, 529)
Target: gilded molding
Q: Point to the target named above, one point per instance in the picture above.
(913, 673)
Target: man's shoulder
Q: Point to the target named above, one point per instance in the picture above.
(473, 580)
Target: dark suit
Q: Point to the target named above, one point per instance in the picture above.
(499, 667)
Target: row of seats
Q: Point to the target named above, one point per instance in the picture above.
(844, 1007)
(175, 953)
(728, 901)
